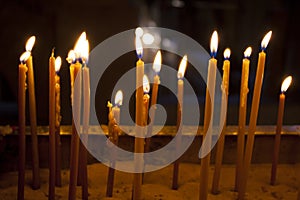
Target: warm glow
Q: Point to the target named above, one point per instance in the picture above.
(85, 51)
(157, 62)
(139, 47)
(214, 42)
(57, 63)
(146, 85)
(148, 38)
(24, 56)
(71, 56)
(266, 39)
(227, 53)
(182, 67)
(79, 46)
(247, 52)
(29, 44)
(119, 98)
(139, 32)
(286, 83)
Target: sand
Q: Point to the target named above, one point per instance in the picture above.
(157, 185)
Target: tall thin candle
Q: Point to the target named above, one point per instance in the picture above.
(156, 82)
(57, 124)
(180, 88)
(52, 126)
(242, 117)
(139, 139)
(32, 111)
(223, 115)
(114, 120)
(208, 115)
(22, 116)
(76, 108)
(253, 114)
(86, 117)
(285, 85)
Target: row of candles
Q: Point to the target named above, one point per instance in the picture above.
(78, 70)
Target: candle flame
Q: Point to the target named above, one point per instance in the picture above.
(266, 39)
(119, 98)
(24, 56)
(139, 32)
(146, 85)
(57, 63)
(85, 51)
(139, 47)
(286, 83)
(214, 43)
(157, 62)
(30, 43)
(80, 45)
(247, 52)
(71, 56)
(227, 53)
(182, 67)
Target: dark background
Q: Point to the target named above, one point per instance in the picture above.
(239, 23)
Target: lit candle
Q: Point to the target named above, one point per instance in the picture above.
(52, 126)
(285, 85)
(223, 115)
(32, 111)
(253, 114)
(118, 103)
(57, 124)
(146, 97)
(86, 117)
(22, 137)
(208, 115)
(75, 68)
(242, 117)
(156, 82)
(114, 118)
(139, 140)
(180, 86)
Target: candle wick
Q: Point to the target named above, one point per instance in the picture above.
(52, 53)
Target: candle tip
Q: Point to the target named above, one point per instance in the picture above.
(214, 44)
(157, 62)
(139, 47)
(119, 98)
(30, 43)
(286, 84)
(182, 67)
(227, 53)
(265, 40)
(146, 85)
(247, 52)
(109, 105)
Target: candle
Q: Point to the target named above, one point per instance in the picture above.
(285, 85)
(22, 137)
(156, 82)
(253, 114)
(86, 117)
(57, 124)
(118, 103)
(146, 97)
(32, 111)
(242, 117)
(75, 68)
(208, 115)
(114, 117)
(52, 126)
(180, 86)
(223, 115)
(139, 140)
